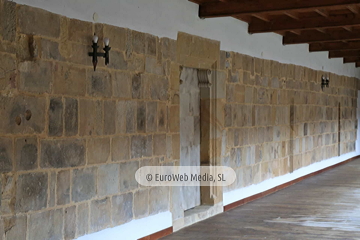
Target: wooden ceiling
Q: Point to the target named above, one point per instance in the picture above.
(326, 25)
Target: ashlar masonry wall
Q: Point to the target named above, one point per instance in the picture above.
(278, 119)
(71, 139)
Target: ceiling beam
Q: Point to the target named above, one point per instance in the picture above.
(250, 7)
(345, 53)
(308, 24)
(316, 37)
(293, 15)
(353, 9)
(351, 59)
(329, 46)
(322, 12)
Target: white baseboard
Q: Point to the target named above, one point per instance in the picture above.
(135, 229)
(242, 193)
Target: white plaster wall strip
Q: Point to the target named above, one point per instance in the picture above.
(165, 18)
(135, 229)
(242, 193)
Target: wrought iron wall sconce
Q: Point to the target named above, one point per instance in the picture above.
(95, 54)
(324, 82)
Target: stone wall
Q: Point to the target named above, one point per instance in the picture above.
(278, 119)
(71, 139)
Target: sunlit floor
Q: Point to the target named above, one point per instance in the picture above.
(326, 206)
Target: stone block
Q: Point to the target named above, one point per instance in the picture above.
(242, 115)
(69, 80)
(120, 148)
(70, 222)
(158, 200)
(141, 117)
(7, 78)
(15, 227)
(26, 154)
(99, 83)
(168, 49)
(98, 150)
(234, 77)
(52, 189)
(141, 146)
(151, 116)
(141, 203)
(150, 44)
(8, 21)
(108, 179)
(77, 53)
(136, 63)
(236, 157)
(176, 146)
(249, 93)
(83, 184)
(71, 117)
(50, 50)
(8, 186)
(46, 225)
(162, 117)
(91, 117)
(152, 66)
(100, 214)
(6, 155)
(31, 192)
(117, 33)
(35, 21)
(109, 117)
(118, 60)
(62, 153)
(239, 93)
(27, 48)
(35, 77)
(137, 87)
(63, 187)
(130, 113)
(237, 60)
(174, 77)
(82, 213)
(174, 118)
(55, 117)
(228, 115)
(248, 64)
(122, 205)
(159, 88)
(122, 85)
(9, 47)
(120, 117)
(159, 144)
(127, 176)
(230, 93)
(78, 31)
(259, 66)
(169, 147)
(199, 47)
(138, 42)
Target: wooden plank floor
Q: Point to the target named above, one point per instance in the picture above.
(326, 206)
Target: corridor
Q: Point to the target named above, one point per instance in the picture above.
(325, 206)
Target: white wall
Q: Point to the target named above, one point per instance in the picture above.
(164, 18)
